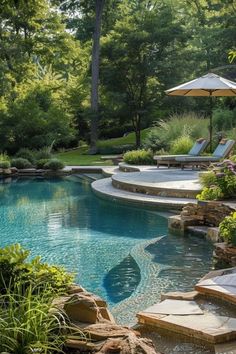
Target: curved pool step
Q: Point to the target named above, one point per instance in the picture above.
(163, 183)
(104, 189)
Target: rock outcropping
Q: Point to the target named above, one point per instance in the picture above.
(93, 328)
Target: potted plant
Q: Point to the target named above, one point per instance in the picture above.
(228, 229)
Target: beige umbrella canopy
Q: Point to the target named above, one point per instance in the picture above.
(208, 85)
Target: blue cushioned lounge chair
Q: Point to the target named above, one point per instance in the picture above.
(199, 146)
(221, 152)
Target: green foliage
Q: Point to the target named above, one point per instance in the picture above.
(228, 228)
(5, 164)
(182, 145)
(20, 163)
(139, 157)
(26, 154)
(16, 268)
(219, 182)
(208, 179)
(43, 153)
(211, 193)
(54, 165)
(166, 133)
(4, 157)
(28, 323)
(224, 119)
(41, 163)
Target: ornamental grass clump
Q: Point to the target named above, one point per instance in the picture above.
(219, 182)
(29, 323)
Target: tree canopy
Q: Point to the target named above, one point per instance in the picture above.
(147, 46)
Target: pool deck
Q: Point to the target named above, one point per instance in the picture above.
(145, 185)
(185, 317)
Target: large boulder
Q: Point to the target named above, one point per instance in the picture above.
(102, 331)
(81, 308)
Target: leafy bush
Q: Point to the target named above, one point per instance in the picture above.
(166, 132)
(4, 157)
(20, 163)
(27, 154)
(5, 164)
(41, 163)
(211, 193)
(221, 178)
(16, 268)
(43, 153)
(228, 228)
(224, 119)
(54, 165)
(182, 145)
(139, 157)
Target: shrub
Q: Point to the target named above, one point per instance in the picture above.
(15, 268)
(4, 157)
(54, 165)
(43, 153)
(41, 163)
(166, 132)
(212, 193)
(139, 157)
(223, 119)
(20, 163)
(228, 228)
(27, 154)
(182, 145)
(5, 164)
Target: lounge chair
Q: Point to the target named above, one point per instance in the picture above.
(222, 151)
(196, 150)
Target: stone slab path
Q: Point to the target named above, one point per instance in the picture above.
(207, 327)
(221, 286)
(175, 307)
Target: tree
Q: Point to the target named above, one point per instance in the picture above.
(139, 55)
(95, 76)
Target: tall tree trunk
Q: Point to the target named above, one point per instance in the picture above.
(137, 129)
(95, 76)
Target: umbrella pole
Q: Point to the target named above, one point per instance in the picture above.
(210, 125)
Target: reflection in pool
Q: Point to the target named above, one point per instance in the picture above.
(61, 220)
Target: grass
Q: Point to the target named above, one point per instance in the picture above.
(81, 157)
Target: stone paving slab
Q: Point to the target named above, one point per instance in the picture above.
(222, 286)
(208, 327)
(175, 307)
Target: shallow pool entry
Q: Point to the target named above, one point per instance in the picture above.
(116, 251)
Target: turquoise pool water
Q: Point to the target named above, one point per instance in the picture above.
(110, 247)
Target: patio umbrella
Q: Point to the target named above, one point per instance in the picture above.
(208, 85)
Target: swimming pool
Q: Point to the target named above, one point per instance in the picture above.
(116, 251)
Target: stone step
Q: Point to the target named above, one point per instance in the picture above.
(207, 328)
(104, 189)
(221, 285)
(174, 183)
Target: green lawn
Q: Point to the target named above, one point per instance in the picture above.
(80, 156)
